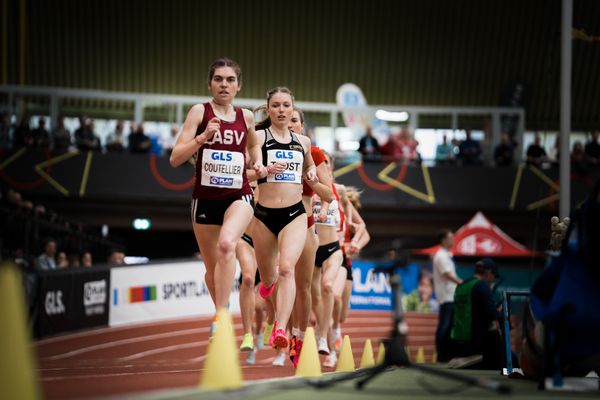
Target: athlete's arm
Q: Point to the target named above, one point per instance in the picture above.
(361, 235)
(310, 172)
(323, 186)
(344, 201)
(188, 143)
(253, 145)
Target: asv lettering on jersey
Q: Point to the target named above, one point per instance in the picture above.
(228, 136)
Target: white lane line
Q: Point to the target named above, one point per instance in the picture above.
(166, 349)
(120, 342)
(115, 374)
(110, 329)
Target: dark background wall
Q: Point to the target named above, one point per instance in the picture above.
(426, 52)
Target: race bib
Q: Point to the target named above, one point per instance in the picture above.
(222, 169)
(333, 212)
(293, 172)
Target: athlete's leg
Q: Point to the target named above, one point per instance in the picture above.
(235, 221)
(303, 275)
(330, 270)
(346, 300)
(315, 293)
(207, 238)
(291, 244)
(245, 255)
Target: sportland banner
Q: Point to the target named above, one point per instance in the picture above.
(163, 291)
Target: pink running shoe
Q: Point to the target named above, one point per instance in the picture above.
(264, 291)
(280, 341)
(298, 350)
(273, 332)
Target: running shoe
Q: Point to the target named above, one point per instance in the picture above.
(323, 347)
(293, 348)
(279, 360)
(330, 360)
(299, 344)
(251, 359)
(247, 342)
(280, 340)
(267, 334)
(260, 344)
(272, 335)
(213, 329)
(264, 291)
(338, 338)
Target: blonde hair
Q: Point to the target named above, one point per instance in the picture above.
(354, 196)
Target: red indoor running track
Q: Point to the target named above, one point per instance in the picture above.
(170, 354)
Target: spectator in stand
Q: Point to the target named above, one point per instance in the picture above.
(406, 147)
(169, 143)
(41, 136)
(536, 155)
(74, 261)
(503, 153)
(61, 136)
(369, 147)
(46, 261)
(469, 150)
(421, 299)
(554, 152)
(388, 150)
(116, 257)
(139, 142)
(61, 260)
(592, 149)
(578, 158)
(86, 259)
(116, 141)
(444, 283)
(22, 135)
(444, 152)
(85, 139)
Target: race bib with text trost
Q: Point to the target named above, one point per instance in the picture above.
(222, 168)
(293, 172)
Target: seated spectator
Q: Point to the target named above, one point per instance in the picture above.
(406, 147)
(169, 143)
(421, 299)
(74, 261)
(22, 134)
(138, 141)
(41, 136)
(86, 259)
(116, 141)
(503, 153)
(476, 340)
(444, 152)
(46, 261)
(469, 151)
(116, 257)
(369, 147)
(554, 152)
(85, 139)
(536, 154)
(592, 149)
(61, 136)
(61, 260)
(578, 163)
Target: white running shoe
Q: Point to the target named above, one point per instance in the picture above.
(323, 347)
(251, 359)
(260, 341)
(279, 360)
(330, 360)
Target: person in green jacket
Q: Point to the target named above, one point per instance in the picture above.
(476, 340)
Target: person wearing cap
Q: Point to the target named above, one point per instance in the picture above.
(475, 335)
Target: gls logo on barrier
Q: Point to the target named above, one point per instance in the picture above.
(94, 292)
(54, 304)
